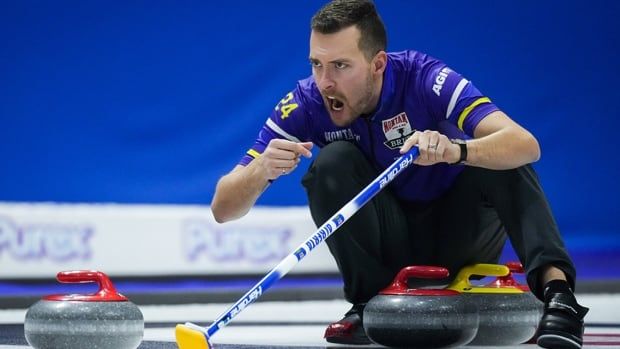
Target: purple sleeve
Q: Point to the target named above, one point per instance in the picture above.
(448, 95)
(287, 121)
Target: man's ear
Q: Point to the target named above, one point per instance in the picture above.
(379, 62)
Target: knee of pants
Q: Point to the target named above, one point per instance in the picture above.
(336, 162)
(509, 177)
(337, 157)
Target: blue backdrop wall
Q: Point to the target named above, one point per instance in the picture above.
(152, 101)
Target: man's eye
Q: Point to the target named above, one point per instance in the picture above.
(340, 65)
(315, 64)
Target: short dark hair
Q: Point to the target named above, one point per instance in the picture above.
(340, 14)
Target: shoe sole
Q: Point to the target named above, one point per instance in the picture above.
(554, 341)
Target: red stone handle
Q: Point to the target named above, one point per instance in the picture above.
(421, 272)
(399, 285)
(515, 267)
(106, 293)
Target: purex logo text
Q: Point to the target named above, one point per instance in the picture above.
(200, 238)
(56, 242)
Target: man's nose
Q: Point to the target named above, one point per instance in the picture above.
(325, 81)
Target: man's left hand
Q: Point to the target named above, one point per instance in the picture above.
(434, 148)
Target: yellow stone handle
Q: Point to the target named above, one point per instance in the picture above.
(461, 282)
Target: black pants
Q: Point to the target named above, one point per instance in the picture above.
(466, 225)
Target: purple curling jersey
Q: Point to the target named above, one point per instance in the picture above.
(418, 93)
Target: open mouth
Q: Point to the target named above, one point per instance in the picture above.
(335, 104)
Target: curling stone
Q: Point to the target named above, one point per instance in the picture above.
(103, 320)
(509, 314)
(420, 318)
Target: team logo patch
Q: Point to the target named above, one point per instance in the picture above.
(397, 129)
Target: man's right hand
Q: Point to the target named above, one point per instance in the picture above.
(282, 156)
(237, 191)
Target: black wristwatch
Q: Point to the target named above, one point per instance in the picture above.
(463, 145)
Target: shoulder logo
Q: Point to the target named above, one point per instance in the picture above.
(440, 79)
(397, 129)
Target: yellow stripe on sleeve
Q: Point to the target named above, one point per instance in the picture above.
(253, 153)
(471, 107)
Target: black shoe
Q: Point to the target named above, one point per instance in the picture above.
(561, 326)
(349, 330)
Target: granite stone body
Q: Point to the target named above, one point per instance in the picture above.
(420, 321)
(102, 320)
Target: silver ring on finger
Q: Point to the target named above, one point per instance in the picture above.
(432, 146)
